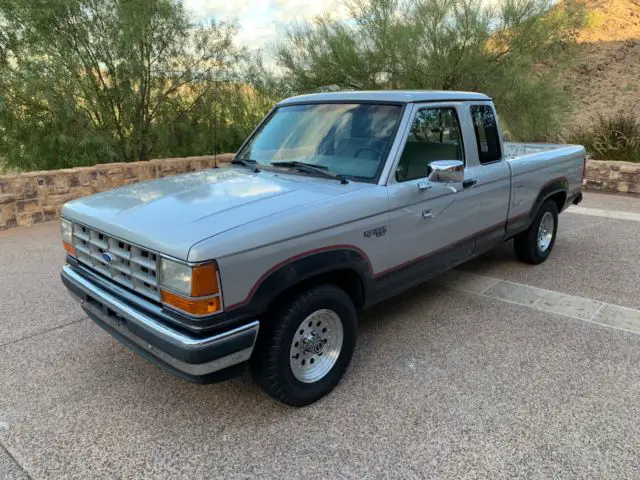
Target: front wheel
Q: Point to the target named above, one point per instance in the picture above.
(534, 245)
(307, 345)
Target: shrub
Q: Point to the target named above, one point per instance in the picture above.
(513, 50)
(615, 137)
(98, 81)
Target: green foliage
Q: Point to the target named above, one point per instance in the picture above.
(610, 138)
(513, 51)
(94, 81)
(218, 122)
(4, 169)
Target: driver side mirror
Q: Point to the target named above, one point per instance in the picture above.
(446, 171)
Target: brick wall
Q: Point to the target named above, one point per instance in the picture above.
(34, 197)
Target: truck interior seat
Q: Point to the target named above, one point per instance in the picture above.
(417, 156)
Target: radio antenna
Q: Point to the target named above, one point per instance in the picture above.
(215, 127)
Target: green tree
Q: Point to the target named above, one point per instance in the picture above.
(90, 81)
(513, 50)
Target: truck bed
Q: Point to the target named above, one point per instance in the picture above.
(533, 165)
(516, 150)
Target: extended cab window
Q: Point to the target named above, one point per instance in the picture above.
(434, 135)
(487, 138)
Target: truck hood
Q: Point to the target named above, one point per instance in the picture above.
(172, 214)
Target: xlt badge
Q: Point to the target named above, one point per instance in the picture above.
(377, 232)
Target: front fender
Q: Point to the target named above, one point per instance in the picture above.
(301, 268)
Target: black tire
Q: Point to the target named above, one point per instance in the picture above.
(270, 363)
(526, 243)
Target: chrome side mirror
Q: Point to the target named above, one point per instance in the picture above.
(446, 171)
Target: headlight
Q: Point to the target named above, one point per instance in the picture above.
(66, 231)
(175, 276)
(192, 289)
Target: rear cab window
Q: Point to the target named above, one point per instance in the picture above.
(486, 131)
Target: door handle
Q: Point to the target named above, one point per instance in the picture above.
(469, 183)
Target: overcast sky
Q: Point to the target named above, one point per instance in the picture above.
(261, 21)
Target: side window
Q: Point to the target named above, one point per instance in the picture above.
(487, 138)
(434, 135)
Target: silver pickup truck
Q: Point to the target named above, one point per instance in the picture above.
(335, 202)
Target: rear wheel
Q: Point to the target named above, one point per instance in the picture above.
(307, 345)
(534, 245)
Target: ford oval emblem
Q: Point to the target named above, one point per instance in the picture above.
(107, 257)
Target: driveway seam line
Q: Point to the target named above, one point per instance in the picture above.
(534, 305)
(555, 313)
(605, 213)
(595, 314)
(511, 302)
(37, 334)
(497, 280)
(14, 460)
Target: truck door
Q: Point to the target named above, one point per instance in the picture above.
(431, 224)
(491, 172)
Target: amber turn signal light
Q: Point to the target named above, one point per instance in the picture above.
(193, 306)
(204, 280)
(69, 249)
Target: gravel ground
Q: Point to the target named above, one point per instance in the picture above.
(445, 383)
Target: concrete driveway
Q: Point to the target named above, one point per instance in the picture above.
(495, 370)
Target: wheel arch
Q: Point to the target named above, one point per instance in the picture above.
(556, 190)
(347, 279)
(560, 199)
(345, 266)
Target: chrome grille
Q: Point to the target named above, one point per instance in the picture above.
(129, 265)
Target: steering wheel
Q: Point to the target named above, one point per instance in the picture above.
(375, 150)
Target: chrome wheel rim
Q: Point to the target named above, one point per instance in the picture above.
(545, 231)
(316, 346)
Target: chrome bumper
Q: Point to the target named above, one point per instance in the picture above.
(188, 356)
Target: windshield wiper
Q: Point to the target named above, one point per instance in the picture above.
(251, 164)
(310, 168)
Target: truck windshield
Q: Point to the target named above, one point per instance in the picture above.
(349, 140)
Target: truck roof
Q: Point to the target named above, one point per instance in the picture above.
(387, 96)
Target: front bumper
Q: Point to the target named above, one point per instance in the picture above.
(200, 359)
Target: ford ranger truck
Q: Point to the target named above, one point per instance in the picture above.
(335, 202)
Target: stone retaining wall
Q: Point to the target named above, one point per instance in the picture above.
(34, 197)
(612, 177)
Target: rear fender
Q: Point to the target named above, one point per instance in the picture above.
(522, 222)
